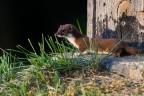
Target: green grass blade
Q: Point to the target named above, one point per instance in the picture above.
(79, 26)
(49, 45)
(32, 46)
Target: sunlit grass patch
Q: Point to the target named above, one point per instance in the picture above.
(44, 72)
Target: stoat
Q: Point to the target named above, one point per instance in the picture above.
(84, 43)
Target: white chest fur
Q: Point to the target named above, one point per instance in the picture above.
(71, 39)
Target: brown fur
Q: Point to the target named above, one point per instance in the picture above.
(103, 44)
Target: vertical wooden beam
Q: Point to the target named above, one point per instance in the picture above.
(105, 19)
(138, 5)
(91, 15)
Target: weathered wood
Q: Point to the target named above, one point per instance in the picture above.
(138, 5)
(105, 19)
(91, 17)
(115, 18)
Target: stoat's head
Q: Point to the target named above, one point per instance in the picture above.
(68, 31)
(65, 31)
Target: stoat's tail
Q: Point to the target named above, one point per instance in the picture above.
(129, 50)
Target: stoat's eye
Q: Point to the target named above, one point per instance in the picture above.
(62, 30)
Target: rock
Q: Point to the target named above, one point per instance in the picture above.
(130, 66)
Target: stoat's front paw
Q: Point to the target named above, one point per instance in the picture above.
(76, 54)
(87, 52)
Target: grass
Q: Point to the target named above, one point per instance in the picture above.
(42, 76)
(53, 74)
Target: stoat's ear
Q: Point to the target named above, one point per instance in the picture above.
(60, 25)
(69, 26)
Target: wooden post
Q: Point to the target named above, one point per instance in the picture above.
(91, 15)
(115, 18)
(138, 5)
